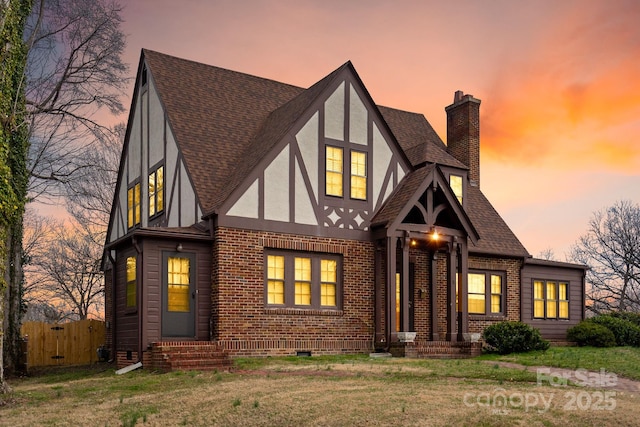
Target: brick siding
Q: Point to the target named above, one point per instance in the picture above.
(244, 325)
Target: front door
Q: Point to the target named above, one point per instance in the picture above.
(178, 295)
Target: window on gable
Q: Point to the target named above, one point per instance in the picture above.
(550, 299)
(133, 205)
(485, 292)
(131, 282)
(358, 175)
(156, 191)
(455, 182)
(338, 160)
(302, 280)
(334, 171)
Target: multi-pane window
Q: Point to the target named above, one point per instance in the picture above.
(477, 295)
(302, 280)
(336, 162)
(496, 293)
(328, 282)
(131, 281)
(133, 205)
(334, 171)
(178, 298)
(275, 279)
(358, 175)
(550, 299)
(156, 191)
(455, 182)
(485, 293)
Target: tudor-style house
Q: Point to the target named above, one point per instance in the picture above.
(259, 218)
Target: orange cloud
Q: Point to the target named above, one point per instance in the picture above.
(575, 102)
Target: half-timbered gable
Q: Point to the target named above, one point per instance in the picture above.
(253, 217)
(333, 168)
(154, 188)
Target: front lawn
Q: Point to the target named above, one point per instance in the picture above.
(331, 391)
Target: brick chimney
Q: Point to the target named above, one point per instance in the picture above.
(463, 133)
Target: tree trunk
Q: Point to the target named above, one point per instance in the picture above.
(13, 300)
(4, 388)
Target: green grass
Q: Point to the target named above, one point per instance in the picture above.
(623, 361)
(291, 391)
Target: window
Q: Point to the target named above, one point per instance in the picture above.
(156, 191)
(133, 205)
(178, 284)
(335, 164)
(485, 293)
(550, 299)
(358, 175)
(455, 182)
(302, 280)
(275, 279)
(131, 282)
(334, 171)
(328, 282)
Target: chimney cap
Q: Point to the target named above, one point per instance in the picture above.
(460, 97)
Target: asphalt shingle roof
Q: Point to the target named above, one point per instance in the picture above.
(224, 122)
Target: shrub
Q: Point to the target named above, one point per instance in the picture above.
(513, 337)
(590, 333)
(626, 333)
(627, 315)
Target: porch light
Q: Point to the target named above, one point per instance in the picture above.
(435, 236)
(413, 242)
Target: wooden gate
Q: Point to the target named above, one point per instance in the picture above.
(73, 343)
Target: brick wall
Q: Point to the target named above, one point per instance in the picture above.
(245, 326)
(512, 267)
(463, 133)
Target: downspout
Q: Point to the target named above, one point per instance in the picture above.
(113, 306)
(139, 271)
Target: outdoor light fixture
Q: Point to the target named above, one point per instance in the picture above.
(434, 235)
(179, 247)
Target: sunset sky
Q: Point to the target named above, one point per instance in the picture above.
(559, 82)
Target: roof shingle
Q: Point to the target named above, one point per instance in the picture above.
(225, 122)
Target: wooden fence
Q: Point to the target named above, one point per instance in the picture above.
(74, 343)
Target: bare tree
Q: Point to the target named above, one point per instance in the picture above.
(75, 77)
(611, 249)
(89, 198)
(547, 254)
(55, 289)
(74, 80)
(64, 271)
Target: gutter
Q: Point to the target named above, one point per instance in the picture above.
(139, 271)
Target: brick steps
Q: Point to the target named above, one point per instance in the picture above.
(188, 356)
(436, 349)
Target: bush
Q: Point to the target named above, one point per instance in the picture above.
(626, 333)
(627, 315)
(590, 333)
(513, 337)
